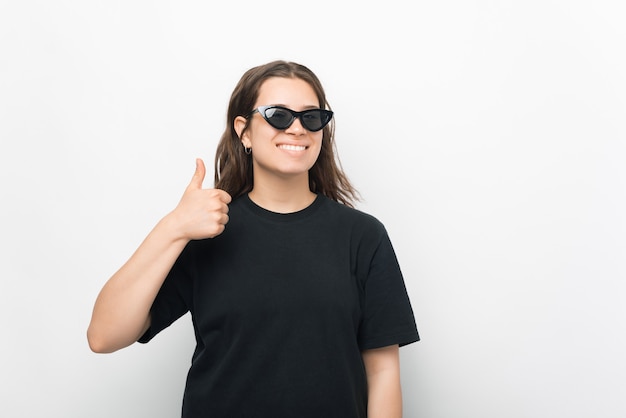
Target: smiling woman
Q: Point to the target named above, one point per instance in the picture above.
(297, 298)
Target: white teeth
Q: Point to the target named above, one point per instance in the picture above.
(292, 147)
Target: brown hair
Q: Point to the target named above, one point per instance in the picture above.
(233, 167)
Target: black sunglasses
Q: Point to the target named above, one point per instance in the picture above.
(281, 118)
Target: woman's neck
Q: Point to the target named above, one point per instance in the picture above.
(283, 196)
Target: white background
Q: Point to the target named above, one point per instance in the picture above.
(488, 136)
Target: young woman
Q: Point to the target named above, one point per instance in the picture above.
(297, 299)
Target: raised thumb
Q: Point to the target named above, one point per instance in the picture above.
(198, 176)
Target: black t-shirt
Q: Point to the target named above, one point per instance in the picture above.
(282, 306)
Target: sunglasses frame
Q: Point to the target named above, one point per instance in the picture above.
(294, 115)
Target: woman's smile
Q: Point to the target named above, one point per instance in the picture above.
(289, 147)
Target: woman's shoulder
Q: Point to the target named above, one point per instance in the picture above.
(353, 215)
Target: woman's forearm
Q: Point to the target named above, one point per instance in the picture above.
(121, 312)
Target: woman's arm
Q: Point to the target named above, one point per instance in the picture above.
(121, 313)
(382, 366)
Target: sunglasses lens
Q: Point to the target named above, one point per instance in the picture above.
(278, 118)
(314, 120)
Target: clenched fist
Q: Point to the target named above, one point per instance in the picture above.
(201, 213)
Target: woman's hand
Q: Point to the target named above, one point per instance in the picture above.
(201, 213)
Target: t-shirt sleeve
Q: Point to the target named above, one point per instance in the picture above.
(173, 299)
(387, 315)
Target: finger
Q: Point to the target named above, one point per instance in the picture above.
(198, 176)
(224, 196)
(225, 208)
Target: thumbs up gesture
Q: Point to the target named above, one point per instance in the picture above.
(201, 213)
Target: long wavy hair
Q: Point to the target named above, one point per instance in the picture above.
(233, 167)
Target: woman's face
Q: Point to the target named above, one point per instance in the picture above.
(287, 153)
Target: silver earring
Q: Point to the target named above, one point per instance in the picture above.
(247, 150)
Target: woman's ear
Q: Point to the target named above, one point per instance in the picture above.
(239, 124)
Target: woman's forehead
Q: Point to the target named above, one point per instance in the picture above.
(287, 92)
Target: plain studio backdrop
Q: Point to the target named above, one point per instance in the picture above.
(488, 136)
